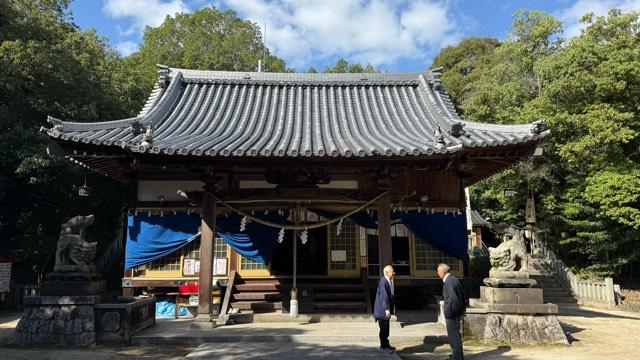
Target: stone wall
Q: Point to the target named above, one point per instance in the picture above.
(117, 322)
(56, 320)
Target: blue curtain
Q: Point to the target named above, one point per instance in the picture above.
(257, 241)
(447, 233)
(152, 237)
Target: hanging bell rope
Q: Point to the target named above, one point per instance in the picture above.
(294, 226)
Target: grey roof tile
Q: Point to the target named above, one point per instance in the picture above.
(219, 113)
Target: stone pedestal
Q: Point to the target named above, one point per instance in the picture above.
(510, 310)
(56, 320)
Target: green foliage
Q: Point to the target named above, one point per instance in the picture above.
(207, 39)
(588, 90)
(343, 66)
(50, 67)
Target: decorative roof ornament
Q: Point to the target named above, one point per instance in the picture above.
(539, 126)
(163, 75)
(439, 137)
(457, 129)
(137, 127)
(437, 78)
(147, 137)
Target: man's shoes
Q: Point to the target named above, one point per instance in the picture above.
(389, 350)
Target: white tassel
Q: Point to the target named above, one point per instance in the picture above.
(339, 227)
(433, 211)
(243, 223)
(446, 212)
(419, 209)
(162, 213)
(266, 212)
(149, 213)
(459, 212)
(303, 236)
(136, 212)
(281, 235)
(253, 212)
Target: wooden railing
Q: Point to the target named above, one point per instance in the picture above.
(585, 291)
(223, 317)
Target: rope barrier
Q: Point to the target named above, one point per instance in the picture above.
(294, 226)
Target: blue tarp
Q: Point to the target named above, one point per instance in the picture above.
(257, 241)
(447, 233)
(152, 237)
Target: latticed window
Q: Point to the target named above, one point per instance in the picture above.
(219, 249)
(169, 262)
(192, 250)
(428, 257)
(248, 264)
(343, 244)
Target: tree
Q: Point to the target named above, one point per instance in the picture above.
(207, 39)
(588, 90)
(49, 67)
(343, 66)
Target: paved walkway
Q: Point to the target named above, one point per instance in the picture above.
(594, 334)
(287, 351)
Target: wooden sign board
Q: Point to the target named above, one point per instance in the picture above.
(5, 277)
(220, 266)
(338, 255)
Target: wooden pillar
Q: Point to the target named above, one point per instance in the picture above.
(207, 230)
(384, 231)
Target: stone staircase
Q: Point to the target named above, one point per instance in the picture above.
(344, 296)
(552, 291)
(259, 295)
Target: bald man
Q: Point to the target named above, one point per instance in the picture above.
(454, 309)
(383, 308)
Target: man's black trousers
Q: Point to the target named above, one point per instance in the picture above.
(453, 331)
(384, 333)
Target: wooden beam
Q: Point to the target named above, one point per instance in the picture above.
(205, 280)
(384, 231)
(222, 317)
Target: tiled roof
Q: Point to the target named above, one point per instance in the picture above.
(218, 113)
(477, 219)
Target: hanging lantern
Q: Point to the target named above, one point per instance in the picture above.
(84, 190)
(281, 235)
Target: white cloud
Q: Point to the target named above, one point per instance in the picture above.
(140, 13)
(126, 48)
(572, 15)
(380, 32)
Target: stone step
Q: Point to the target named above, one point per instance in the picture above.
(264, 287)
(257, 296)
(559, 300)
(552, 289)
(340, 296)
(554, 294)
(339, 305)
(257, 305)
(334, 287)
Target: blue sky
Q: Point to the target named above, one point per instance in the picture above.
(393, 35)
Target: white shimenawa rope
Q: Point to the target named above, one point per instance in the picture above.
(293, 226)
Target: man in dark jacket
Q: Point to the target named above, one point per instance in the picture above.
(383, 308)
(454, 309)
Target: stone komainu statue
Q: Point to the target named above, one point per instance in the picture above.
(511, 254)
(74, 253)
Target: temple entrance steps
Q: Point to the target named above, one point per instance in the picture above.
(337, 295)
(552, 290)
(316, 295)
(257, 295)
